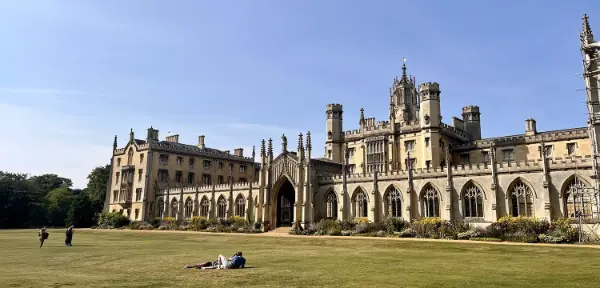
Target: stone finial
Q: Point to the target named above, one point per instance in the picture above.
(362, 116)
(262, 148)
(270, 147)
(283, 143)
(253, 152)
(586, 35)
(300, 146)
(115, 143)
(131, 136)
(308, 141)
(404, 79)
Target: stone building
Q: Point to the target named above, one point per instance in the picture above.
(143, 167)
(412, 165)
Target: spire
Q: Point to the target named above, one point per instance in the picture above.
(308, 141)
(300, 146)
(404, 80)
(253, 153)
(586, 35)
(131, 136)
(362, 116)
(262, 148)
(270, 147)
(115, 143)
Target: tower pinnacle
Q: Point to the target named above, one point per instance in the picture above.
(362, 116)
(587, 37)
(404, 80)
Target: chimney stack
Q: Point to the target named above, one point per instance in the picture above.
(201, 142)
(173, 138)
(530, 127)
(238, 152)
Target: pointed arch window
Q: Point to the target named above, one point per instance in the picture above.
(189, 208)
(431, 202)
(521, 197)
(130, 156)
(473, 202)
(580, 200)
(393, 203)
(240, 208)
(331, 201)
(174, 208)
(222, 208)
(204, 207)
(160, 207)
(360, 204)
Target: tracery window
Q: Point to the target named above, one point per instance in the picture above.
(130, 156)
(473, 202)
(393, 203)
(240, 206)
(431, 202)
(331, 203)
(521, 200)
(189, 208)
(222, 208)
(580, 200)
(204, 207)
(174, 208)
(360, 204)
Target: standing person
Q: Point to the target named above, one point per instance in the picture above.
(69, 236)
(43, 236)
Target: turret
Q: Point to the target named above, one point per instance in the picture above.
(335, 136)
(472, 121)
(430, 104)
(405, 97)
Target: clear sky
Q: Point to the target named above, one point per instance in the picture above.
(75, 73)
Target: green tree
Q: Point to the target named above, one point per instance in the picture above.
(59, 201)
(97, 185)
(81, 213)
(48, 182)
(20, 204)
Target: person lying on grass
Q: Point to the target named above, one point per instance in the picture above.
(236, 261)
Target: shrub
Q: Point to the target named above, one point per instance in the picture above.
(552, 239)
(325, 225)
(393, 224)
(112, 220)
(135, 225)
(406, 233)
(156, 221)
(237, 222)
(145, 226)
(346, 224)
(519, 229)
(467, 235)
(258, 225)
(380, 233)
(346, 232)
(336, 231)
(198, 223)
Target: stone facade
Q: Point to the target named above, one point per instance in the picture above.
(412, 165)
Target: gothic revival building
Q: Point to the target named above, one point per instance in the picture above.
(412, 165)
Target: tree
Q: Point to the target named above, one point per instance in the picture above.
(48, 182)
(81, 213)
(59, 202)
(97, 186)
(20, 204)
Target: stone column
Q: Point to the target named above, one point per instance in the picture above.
(342, 198)
(447, 213)
(546, 183)
(494, 195)
(373, 199)
(307, 200)
(409, 191)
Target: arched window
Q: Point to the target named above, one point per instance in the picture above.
(473, 201)
(521, 200)
(222, 208)
(331, 202)
(174, 208)
(204, 207)
(240, 206)
(160, 207)
(189, 208)
(360, 203)
(581, 200)
(431, 202)
(393, 203)
(130, 156)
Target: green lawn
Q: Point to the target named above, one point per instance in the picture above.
(155, 259)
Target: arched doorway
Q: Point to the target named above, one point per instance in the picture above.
(285, 204)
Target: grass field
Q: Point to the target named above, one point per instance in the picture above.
(155, 259)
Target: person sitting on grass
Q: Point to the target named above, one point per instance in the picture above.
(236, 261)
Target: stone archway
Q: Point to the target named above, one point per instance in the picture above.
(285, 196)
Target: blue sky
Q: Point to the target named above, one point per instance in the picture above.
(75, 73)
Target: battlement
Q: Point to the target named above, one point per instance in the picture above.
(429, 86)
(456, 132)
(191, 189)
(549, 136)
(470, 109)
(334, 107)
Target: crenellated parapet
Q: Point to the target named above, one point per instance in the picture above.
(455, 132)
(550, 136)
(192, 189)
